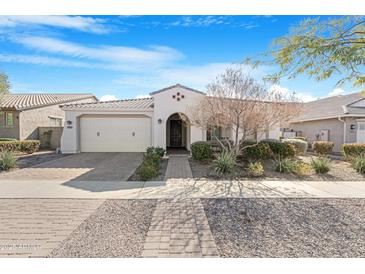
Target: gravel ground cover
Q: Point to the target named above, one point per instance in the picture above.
(117, 229)
(161, 174)
(340, 171)
(287, 227)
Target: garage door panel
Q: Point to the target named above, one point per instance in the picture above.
(114, 134)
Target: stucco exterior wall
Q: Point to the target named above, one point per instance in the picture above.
(9, 131)
(165, 106)
(50, 137)
(311, 128)
(31, 119)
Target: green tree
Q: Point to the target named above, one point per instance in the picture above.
(4, 84)
(320, 49)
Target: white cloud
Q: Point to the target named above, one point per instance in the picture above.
(43, 60)
(108, 97)
(141, 96)
(200, 21)
(303, 96)
(80, 23)
(336, 92)
(117, 56)
(194, 76)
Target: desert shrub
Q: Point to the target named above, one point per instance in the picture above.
(353, 150)
(7, 160)
(303, 169)
(251, 150)
(321, 165)
(323, 148)
(148, 170)
(285, 165)
(280, 149)
(28, 146)
(358, 163)
(255, 169)
(299, 145)
(201, 151)
(225, 162)
(158, 150)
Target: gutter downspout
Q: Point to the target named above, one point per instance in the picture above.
(344, 128)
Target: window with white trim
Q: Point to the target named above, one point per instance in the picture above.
(56, 122)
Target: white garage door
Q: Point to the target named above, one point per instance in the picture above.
(115, 133)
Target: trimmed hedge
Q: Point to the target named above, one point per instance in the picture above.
(252, 150)
(201, 151)
(28, 146)
(300, 145)
(323, 148)
(353, 150)
(278, 148)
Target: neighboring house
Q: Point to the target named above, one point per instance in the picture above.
(132, 125)
(22, 114)
(340, 119)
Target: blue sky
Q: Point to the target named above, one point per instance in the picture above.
(131, 56)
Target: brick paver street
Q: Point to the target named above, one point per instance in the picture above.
(33, 227)
(179, 228)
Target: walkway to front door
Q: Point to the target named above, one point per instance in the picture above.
(178, 167)
(179, 227)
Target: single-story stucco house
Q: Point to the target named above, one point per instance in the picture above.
(133, 125)
(340, 119)
(22, 114)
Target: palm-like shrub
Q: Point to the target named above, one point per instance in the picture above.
(225, 162)
(358, 163)
(286, 165)
(7, 160)
(321, 165)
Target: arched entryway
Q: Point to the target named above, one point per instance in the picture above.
(178, 132)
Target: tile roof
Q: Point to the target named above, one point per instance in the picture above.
(130, 104)
(331, 107)
(33, 100)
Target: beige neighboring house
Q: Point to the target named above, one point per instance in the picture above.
(21, 115)
(340, 119)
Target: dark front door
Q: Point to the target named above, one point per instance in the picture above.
(175, 133)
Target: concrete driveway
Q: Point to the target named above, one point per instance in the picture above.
(118, 166)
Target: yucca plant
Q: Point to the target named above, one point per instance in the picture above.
(286, 165)
(7, 160)
(225, 162)
(321, 165)
(358, 163)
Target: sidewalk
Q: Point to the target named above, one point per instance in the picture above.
(182, 188)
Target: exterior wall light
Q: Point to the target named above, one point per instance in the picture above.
(159, 121)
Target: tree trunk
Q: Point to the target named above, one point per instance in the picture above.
(236, 143)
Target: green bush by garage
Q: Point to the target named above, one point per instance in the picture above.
(27, 146)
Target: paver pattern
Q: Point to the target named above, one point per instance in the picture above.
(112, 166)
(178, 167)
(179, 228)
(34, 227)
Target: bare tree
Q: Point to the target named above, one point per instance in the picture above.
(237, 101)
